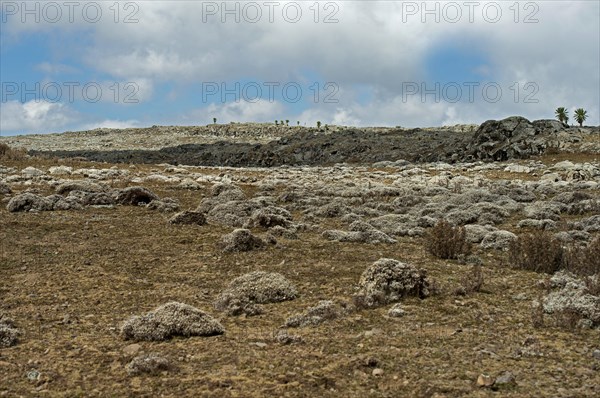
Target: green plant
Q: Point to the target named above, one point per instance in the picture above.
(298, 122)
(447, 241)
(276, 122)
(287, 122)
(562, 114)
(318, 124)
(214, 120)
(580, 116)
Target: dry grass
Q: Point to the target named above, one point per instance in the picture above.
(447, 241)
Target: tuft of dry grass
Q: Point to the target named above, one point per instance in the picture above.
(447, 241)
(472, 282)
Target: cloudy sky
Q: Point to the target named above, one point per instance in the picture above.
(81, 65)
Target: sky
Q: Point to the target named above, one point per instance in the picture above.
(78, 65)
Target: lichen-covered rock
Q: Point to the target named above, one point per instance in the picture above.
(241, 240)
(4, 188)
(135, 196)
(233, 213)
(499, 240)
(268, 217)
(151, 363)
(83, 186)
(360, 232)
(570, 294)
(536, 224)
(165, 205)
(325, 310)
(188, 218)
(92, 198)
(9, 334)
(169, 320)
(388, 281)
(475, 232)
(258, 287)
(27, 202)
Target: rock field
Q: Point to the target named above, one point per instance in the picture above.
(174, 261)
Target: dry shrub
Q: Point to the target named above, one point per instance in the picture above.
(584, 260)
(447, 241)
(538, 251)
(8, 153)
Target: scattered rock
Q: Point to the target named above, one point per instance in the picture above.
(378, 372)
(132, 349)
(268, 217)
(27, 202)
(484, 380)
(83, 186)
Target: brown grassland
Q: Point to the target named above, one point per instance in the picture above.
(70, 278)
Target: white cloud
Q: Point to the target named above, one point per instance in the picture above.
(56, 68)
(32, 116)
(373, 45)
(242, 111)
(110, 124)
